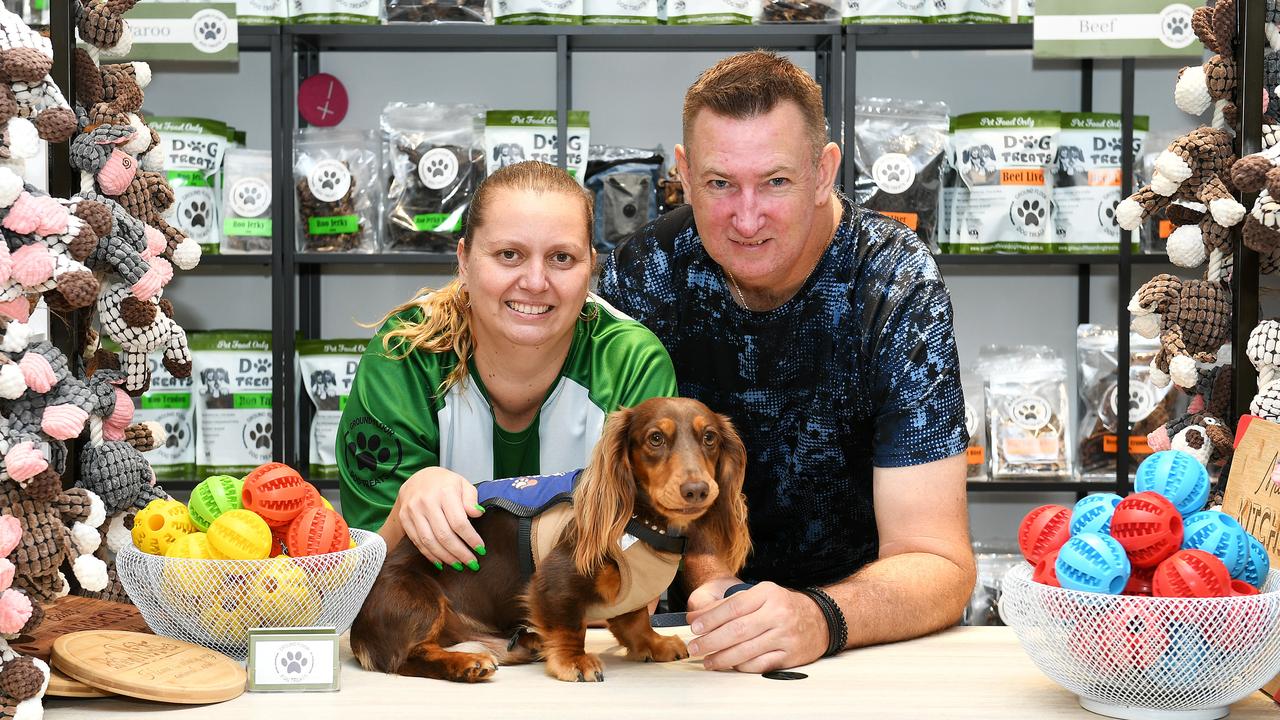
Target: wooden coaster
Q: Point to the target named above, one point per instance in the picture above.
(62, 686)
(151, 667)
(73, 613)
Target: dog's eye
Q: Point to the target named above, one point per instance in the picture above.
(656, 439)
(709, 438)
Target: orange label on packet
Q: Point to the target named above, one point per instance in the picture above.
(908, 219)
(1137, 445)
(1022, 176)
(1166, 229)
(1108, 178)
(976, 455)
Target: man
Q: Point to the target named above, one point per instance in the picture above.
(824, 332)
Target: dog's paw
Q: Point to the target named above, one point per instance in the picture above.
(471, 667)
(579, 668)
(662, 648)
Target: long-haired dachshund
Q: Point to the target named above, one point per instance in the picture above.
(670, 463)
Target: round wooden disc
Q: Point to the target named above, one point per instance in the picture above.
(62, 686)
(151, 667)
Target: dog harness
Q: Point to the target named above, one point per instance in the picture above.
(544, 506)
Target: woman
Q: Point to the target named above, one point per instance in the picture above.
(508, 370)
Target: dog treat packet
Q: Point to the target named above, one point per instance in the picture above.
(1005, 162)
(327, 368)
(337, 12)
(334, 174)
(246, 201)
(536, 12)
(262, 12)
(512, 136)
(1026, 12)
(625, 184)
(620, 12)
(801, 11)
(975, 423)
(1086, 182)
(974, 11)
(233, 383)
(1028, 418)
(899, 148)
(435, 11)
(992, 558)
(713, 12)
(1149, 407)
(193, 149)
(435, 161)
(167, 402)
(885, 12)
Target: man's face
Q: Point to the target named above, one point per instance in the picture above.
(755, 190)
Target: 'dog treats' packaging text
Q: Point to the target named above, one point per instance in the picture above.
(1086, 182)
(233, 383)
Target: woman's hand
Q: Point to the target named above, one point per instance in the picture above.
(435, 507)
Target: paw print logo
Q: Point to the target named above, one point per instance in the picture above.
(196, 214)
(294, 662)
(524, 482)
(175, 435)
(438, 168)
(210, 31)
(893, 173)
(249, 195)
(1175, 26)
(1030, 412)
(197, 146)
(328, 179)
(1142, 400)
(262, 365)
(260, 436)
(1030, 212)
(368, 451)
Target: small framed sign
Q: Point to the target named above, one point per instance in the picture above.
(1115, 28)
(293, 659)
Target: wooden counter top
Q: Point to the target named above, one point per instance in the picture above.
(965, 672)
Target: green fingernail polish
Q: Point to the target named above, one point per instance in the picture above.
(439, 565)
(457, 566)
(480, 550)
(474, 565)
(480, 508)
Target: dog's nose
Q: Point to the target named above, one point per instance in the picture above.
(694, 491)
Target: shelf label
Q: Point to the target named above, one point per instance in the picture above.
(334, 225)
(1107, 28)
(199, 32)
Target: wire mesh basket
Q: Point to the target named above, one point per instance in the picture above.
(214, 603)
(1147, 657)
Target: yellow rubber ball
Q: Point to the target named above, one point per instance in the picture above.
(227, 614)
(240, 535)
(194, 545)
(160, 524)
(282, 595)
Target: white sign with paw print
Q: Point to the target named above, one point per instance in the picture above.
(293, 659)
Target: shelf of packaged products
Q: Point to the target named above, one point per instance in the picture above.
(1056, 259)
(1020, 486)
(388, 258)
(941, 37)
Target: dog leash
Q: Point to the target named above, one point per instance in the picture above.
(678, 619)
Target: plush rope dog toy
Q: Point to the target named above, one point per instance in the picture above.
(1192, 318)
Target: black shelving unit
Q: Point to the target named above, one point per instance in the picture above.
(296, 52)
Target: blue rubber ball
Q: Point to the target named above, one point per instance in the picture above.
(1219, 535)
(1178, 476)
(1092, 513)
(1258, 564)
(1091, 562)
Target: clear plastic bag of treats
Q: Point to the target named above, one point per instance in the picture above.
(334, 173)
(975, 422)
(1028, 415)
(1150, 407)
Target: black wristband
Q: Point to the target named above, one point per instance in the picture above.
(837, 629)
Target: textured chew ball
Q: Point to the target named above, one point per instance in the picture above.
(160, 524)
(1044, 530)
(317, 531)
(1090, 562)
(1149, 527)
(212, 497)
(283, 596)
(1092, 513)
(1258, 565)
(1221, 536)
(1176, 475)
(1192, 573)
(241, 535)
(194, 546)
(276, 492)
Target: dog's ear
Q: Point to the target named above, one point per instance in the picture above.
(722, 531)
(605, 497)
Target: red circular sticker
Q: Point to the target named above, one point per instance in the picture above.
(322, 100)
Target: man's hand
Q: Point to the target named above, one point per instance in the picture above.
(765, 628)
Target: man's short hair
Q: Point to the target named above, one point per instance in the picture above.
(753, 83)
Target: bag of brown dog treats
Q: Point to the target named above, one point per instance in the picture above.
(334, 173)
(900, 147)
(1028, 416)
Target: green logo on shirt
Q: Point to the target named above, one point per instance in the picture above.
(373, 451)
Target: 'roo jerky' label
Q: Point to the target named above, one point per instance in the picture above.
(327, 367)
(1086, 182)
(232, 373)
(1004, 163)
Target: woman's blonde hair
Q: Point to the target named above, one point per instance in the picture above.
(445, 322)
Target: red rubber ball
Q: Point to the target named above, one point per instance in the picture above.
(1191, 573)
(1149, 528)
(276, 492)
(1046, 572)
(1043, 530)
(317, 531)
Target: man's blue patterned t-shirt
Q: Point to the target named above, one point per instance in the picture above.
(858, 370)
